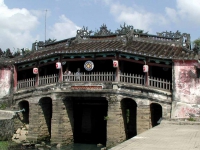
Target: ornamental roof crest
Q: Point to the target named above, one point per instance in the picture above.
(103, 31)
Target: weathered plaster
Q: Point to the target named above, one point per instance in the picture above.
(183, 110)
(187, 89)
(5, 81)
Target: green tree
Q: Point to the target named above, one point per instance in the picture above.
(196, 42)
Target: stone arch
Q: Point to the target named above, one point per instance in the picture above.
(24, 116)
(156, 113)
(44, 118)
(129, 113)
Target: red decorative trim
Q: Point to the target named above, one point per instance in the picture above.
(86, 87)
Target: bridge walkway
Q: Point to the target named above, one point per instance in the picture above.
(166, 136)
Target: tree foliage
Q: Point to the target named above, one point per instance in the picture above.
(197, 42)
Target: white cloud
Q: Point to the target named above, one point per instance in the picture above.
(15, 27)
(186, 12)
(135, 15)
(63, 29)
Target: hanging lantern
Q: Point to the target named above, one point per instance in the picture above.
(58, 65)
(35, 70)
(115, 63)
(145, 68)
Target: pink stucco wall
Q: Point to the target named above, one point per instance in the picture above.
(187, 89)
(5, 81)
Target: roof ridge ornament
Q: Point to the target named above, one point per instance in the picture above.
(125, 29)
(183, 39)
(82, 34)
(103, 31)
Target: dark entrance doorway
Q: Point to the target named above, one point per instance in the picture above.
(89, 122)
(45, 117)
(129, 111)
(156, 113)
(25, 114)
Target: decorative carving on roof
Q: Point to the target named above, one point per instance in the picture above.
(69, 41)
(183, 39)
(129, 38)
(50, 41)
(103, 31)
(82, 34)
(124, 29)
(169, 34)
(8, 53)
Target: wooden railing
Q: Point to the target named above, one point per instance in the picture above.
(98, 77)
(90, 77)
(131, 78)
(26, 83)
(159, 83)
(49, 79)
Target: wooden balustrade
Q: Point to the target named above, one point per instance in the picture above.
(97, 77)
(160, 83)
(49, 79)
(131, 78)
(89, 77)
(26, 83)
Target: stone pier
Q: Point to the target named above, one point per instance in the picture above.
(115, 123)
(61, 125)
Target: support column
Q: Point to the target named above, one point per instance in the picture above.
(115, 124)
(143, 118)
(37, 79)
(15, 78)
(62, 120)
(147, 74)
(61, 71)
(34, 126)
(37, 76)
(117, 72)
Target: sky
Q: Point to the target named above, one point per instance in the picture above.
(22, 22)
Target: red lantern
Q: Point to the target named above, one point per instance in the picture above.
(145, 68)
(58, 65)
(115, 63)
(35, 70)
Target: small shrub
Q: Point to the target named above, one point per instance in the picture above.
(3, 106)
(106, 117)
(191, 119)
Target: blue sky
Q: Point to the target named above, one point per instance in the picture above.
(22, 22)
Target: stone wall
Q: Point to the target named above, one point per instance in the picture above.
(6, 124)
(6, 129)
(186, 93)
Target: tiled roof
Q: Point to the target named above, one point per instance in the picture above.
(137, 46)
(146, 47)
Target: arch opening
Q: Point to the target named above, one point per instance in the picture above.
(24, 116)
(156, 113)
(129, 112)
(89, 120)
(45, 115)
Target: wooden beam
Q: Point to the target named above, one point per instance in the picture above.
(131, 60)
(85, 59)
(160, 65)
(149, 63)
